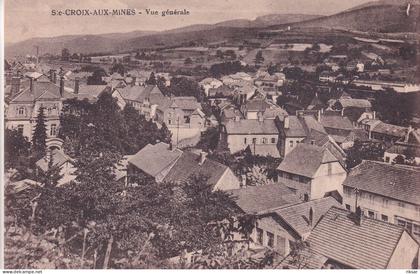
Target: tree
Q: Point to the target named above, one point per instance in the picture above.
(96, 78)
(165, 135)
(50, 177)
(364, 151)
(16, 146)
(209, 139)
(152, 79)
(259, 59)
(188, 61)
(39, 136)
(118, 68)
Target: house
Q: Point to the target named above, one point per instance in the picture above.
(347, 240)
(217, 175)
(59, 160)
(24, 107)
(90, 92)
(274, 81)
(379, 130)
(254, 108)
(162, 163)
(145, 99)
(220, 93)
(294, 129)
(408, 147)
(339, 128)
(385, 192)
(180, 112)
(343, 104)
(209, 83)
(312, 172)
(234, 79)
(261, 136)
(281, 227)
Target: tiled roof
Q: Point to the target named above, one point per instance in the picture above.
(189, 165)
(356, 103)
(152, 159)
(251, 127)
(183, 102)
(302, 126)
(387, 180)
(336, 122)
(388, 129)
(224, 91)
(257, 105)
(91, 92)
(58, 157)
(139, 93)
(297, 216)
(45, 89)
(260, 199)
(305, 160)
(366, 246)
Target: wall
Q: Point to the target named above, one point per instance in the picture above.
(404, 254)
(286, 148)
(236, 142)
(324, 181)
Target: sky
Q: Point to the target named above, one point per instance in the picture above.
(26, 19)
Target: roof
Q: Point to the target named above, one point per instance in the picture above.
(58, 157)
(259, 199)
(388, 129)
(302, 126)
(251, 127)
(336, 122)
(91, 92)
(41, 90)
(189, 165)
(182, 102)
(366, 246)
(152, 159)
(297, 216)
(223, 91)
(404, 149)
(257, 105)
(356, 103)
(140, 93)
(305, 160)
(387, 180)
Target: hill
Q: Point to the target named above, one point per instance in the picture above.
(384, 18)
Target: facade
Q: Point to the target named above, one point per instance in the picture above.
(385, 192)
(312, 172)
(261, 136)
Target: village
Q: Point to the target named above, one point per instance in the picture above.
(304, 150)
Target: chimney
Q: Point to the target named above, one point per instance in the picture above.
(170, 146)
(358, 216)
(311, 216)
(15, 85)
(286, 122)
(61, 86)
(54, 76)
(51, 76)
(319, 116)
(237, 118)
(243, 181)
(31, 84)
(202, 157)
(260, 117)
(374, 115)
(76, 85)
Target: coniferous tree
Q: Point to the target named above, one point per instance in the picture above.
(39, 137)
(165, 134)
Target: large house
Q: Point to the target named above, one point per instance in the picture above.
(162, 163)
(145, 99)
(261, 136)
(345, 240)
(254, 108)
(180, 112)
(294, 129)
(24, 107)
(312, 172)
(385, 192)
(379, 130)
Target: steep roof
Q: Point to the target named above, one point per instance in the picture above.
(152, 159)
(388, 129)
(58, 157)
(91, 92)
(182, 102)
(387, 180)
(297, 216)
(366, 246)
(301, 126)
(305, 160)
(251, 127)
(46, 89)
(189, 165)
(336, 122)
(259, 199)
(223, 90)
(139, 93)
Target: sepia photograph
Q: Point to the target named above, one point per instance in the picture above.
(223, 134)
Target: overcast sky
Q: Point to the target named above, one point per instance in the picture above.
(32, 18)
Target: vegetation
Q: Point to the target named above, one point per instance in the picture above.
(39, 136)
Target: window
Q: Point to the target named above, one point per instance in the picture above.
(371, 214)
(254, 140)
(387, 160)
(371, 198)
(245, 141)
(270, 239)
(291, 143)
(385, 202)
(20, 129)
(186, 119)
(401, 205)
(21, 111)
(260, 238)
(273, 140)
(264, 140)
(49, 111)
(348, 207)
(305, 197)
(169, 122)
(53, 130)
(416, 230)
(384, 218)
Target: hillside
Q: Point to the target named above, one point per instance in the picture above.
(374, 18)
